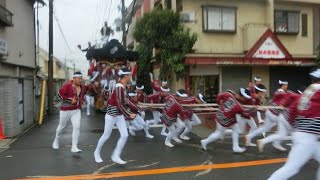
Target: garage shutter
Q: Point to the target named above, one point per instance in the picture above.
(235, 77)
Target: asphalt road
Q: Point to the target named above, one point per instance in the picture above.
(31, 156)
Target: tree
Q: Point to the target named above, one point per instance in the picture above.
(162, 30)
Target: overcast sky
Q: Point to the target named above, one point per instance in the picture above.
(80, 21)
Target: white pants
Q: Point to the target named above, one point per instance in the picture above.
(156, 117)
(284, 128)
(90, 103)
(188, 128)
(138, 124)
(142, 114)
(180, 125)
(75, 117)
(104, 83)
(269, 123)
(243, 123)
(305, 146)
(110, 121)
(171, 134)
(112, 85)
(195, 120)
(220, 132)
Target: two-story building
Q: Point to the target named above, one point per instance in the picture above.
(17, 65)
(237, 40)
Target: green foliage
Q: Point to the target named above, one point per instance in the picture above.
(144, 67)
(162, 29)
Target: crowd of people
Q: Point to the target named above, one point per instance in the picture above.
(295, 113)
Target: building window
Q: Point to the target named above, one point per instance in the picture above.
(219, 19)
(304, 22)
(286, 22)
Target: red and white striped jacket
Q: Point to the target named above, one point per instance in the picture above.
(105, 75)
(116, 104)
(253, 101)
(276, 101)
(290, 102)
(171, 110)
(67, 93)
(113, 74)
(228, 108)
(142, 97)
(154, 98)
(188, 113)
(133, 106)
(308, 116)
(91, 90)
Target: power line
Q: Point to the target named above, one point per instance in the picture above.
(61, 31)
(109, 11)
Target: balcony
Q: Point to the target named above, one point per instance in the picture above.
(5, 17)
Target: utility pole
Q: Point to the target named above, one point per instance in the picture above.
(50, 62)
(123, 24)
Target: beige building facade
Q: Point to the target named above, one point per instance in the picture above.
(241, 39)
(238, 40)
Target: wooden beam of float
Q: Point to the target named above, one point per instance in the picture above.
(212, 105)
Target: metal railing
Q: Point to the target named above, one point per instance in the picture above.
(5, 16)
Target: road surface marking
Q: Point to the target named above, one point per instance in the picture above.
(164, 170)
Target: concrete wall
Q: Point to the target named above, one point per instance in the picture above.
(20, 37)
(18, 66)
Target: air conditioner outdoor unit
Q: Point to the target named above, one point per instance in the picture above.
(188, 16)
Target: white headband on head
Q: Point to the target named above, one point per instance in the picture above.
(244, 94)
(259, 89)
(123, 73)
(140, 88)
(201, 98)
(283, 82)
(316, 73)
(257, 79)
(300, 92)
(182, 95)
(77, 75)
(164, 90)
(132, 94)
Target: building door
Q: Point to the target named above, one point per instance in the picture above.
(20, 102)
